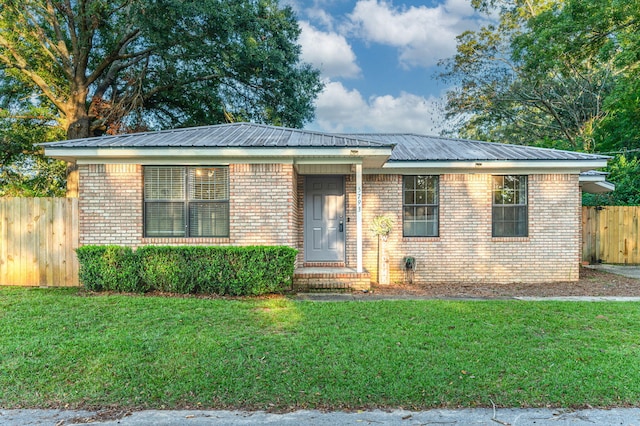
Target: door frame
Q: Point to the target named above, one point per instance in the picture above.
(307, 211)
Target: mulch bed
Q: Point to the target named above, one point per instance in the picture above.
(592, 283)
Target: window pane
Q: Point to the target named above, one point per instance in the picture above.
(432, 214)
(432, 229)
(509, 229)
(408, 213)
(164, 219)
(208, 219)
(409, 182)
(409, 197)
(164, 183)
(209, 183)
(408, 229)
(432, 196)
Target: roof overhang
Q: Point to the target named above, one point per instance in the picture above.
(369, 157)
(595, 184)
(494, 166)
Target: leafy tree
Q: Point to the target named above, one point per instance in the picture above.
(109, 64)
(24, 171)
(624, 172)
(515, 83)
(113, 66)
(544, 72)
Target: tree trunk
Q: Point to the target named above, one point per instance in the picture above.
(72, 180)
(78, 127)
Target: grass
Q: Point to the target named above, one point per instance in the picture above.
(62, 348)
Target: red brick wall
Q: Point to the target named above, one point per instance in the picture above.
(110, 204)
(262, 204)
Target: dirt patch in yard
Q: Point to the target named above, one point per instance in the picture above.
(591, 283)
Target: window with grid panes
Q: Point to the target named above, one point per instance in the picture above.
(420, 206)
(186, 201)
(510, 213)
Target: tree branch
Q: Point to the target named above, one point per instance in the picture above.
(21, 64)
(47, 44)
(117, 66)
(159, 89)
(115, 55)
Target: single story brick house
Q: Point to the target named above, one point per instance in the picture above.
(467, 211)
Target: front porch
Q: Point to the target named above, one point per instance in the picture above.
(330, 279)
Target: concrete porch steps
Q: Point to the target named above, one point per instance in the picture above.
(329, 279)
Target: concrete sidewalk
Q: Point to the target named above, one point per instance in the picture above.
(479, 416)
(624, 270)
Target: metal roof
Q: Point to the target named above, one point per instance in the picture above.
(406, 147)
(411, 147)
(245, 135)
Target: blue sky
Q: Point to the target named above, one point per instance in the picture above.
(379, 60)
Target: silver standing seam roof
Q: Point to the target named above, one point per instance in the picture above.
(412, 147)
(406, 147)
(240, 135)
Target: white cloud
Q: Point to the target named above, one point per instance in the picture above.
(328, 51)
(422, 34)
(321, 17)
(341, 110)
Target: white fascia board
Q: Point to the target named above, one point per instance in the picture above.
(593, 178)
(593, 187)
(480, 166)
(262, 155)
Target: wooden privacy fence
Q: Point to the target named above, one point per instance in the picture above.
(610, 234)
(38, 238)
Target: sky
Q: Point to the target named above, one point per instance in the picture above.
(379, 61)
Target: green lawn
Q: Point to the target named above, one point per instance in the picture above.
(61, 347)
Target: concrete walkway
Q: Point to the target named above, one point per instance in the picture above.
(480, 416)
(625, 270)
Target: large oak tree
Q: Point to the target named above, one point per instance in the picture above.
(109, 66)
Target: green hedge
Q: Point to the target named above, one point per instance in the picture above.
(108, 268)
(236, 271)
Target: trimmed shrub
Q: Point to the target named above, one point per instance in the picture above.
(222, 270)
(244, 271)
(108, 268)
(166, 268)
